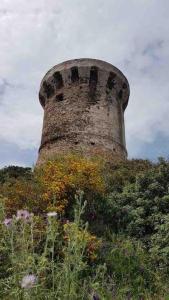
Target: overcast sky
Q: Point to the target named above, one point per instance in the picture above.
(35, 35)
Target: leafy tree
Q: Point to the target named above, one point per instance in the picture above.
(14, 172)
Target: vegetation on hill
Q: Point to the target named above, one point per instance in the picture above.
(79, 228)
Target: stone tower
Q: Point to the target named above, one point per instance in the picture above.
(84, 102)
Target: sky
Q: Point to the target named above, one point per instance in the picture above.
(35, 35)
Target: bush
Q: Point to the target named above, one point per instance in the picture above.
(123, 251)
(54, 185)
(135, 276)
(13, 172)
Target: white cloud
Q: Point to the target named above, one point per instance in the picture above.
(133, 35)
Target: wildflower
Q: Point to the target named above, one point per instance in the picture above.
(7, 222)
(23, 214)
(28, 281)
(96, 297)
(52, 214)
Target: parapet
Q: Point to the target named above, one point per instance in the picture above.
(82, 71)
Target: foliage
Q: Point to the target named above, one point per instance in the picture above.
(60, 268)
(54, 185)
(124, 172)
(140, 205)
(121, 253)
(135, 276)
(141, 210)
(13, 172)
(62, 177)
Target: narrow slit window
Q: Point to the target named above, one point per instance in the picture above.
(120, 94)
(58, 80)
(93, 82)
(93, 76)
(74, 74)
(42, 99)
(111, 81)
(48, 89)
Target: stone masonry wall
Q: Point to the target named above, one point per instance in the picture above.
(84, 102)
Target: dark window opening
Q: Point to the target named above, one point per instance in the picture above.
(111, 81)
(59, 97)
(120, 94)
(42, 99)
(92, 143)
(74, 74)
(48, 89)
(58, 80)
(93, 75)
(93, 81)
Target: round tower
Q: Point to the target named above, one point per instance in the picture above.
(84, 102)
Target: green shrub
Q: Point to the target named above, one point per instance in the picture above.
(122, 253)
(14, 172)
(130, 265)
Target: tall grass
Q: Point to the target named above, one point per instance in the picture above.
(49, 261)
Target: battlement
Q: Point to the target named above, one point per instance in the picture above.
(85, 71)
(84, 102)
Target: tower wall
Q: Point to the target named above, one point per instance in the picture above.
(84, 102)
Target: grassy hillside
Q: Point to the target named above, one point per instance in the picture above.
(81, 228)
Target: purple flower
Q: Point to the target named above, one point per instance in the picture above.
(23, 214)
(28, 281)
(7, 222)
(96, 297)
